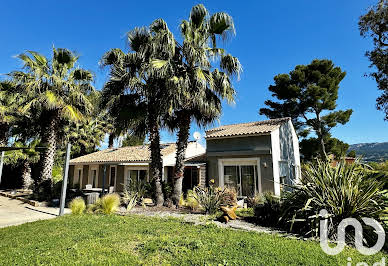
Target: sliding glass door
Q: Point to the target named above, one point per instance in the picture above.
(242, 178)
(136, 176)
(247, 180)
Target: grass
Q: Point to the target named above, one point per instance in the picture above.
(128, 240)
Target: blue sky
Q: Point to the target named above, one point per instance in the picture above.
(271, 38)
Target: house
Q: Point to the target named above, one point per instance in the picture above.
(250, 157)
(132, 163)
(253, 157)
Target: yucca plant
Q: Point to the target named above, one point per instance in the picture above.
(130, 199)
(209, 198)
(346, 190)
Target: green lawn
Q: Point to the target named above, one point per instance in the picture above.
(98, 239)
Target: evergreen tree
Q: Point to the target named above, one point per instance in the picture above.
(375, 24)
(308, 94)
(133, 140)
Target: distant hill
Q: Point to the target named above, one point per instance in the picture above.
(376, 151)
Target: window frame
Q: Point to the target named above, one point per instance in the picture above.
(250, 161)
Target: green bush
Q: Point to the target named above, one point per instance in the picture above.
(57, 173)
(209, 198)
(191, 200)
(267, 209)
(110, 203)
(229, 197)
(347, 190)
(245, 212)
(77, 205)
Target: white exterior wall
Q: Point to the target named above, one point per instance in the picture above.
(289, 154)
(295, 142)
(275, 143)
(193, 149)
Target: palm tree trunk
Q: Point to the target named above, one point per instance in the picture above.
(156, 159)
(111, 140)
(183, 136)
(49, 139)
(3, 134)
(26, 175)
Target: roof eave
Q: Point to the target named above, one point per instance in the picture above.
(240, 135)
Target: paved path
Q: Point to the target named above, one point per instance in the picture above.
(14, 212)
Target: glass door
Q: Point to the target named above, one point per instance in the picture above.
(241, 178)
(247, 180)
(232, 177)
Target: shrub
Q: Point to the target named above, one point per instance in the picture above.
(229, 197)
(245, 213)
(182, 201)
(346, 190)
(191, 200)
(267, 210)
(209, 198)
(253, 201)
(77, 205)
(137, 187)
(110, 203)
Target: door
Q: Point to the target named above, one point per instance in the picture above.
(112, 180)
(94, 177)
(232, 177)
(247, 180)
(242, 178)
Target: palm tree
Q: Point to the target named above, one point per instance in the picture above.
(201, 85)
(9, 110)
(136, 84)
(86, 136)
(57, 90)
(24, 158)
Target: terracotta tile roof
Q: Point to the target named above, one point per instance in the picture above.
(252, 128)
(125, 154)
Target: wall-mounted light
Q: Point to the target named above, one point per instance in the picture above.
(265, 164)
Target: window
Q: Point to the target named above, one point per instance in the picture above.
(136, 176)
(232, 177)
(112, 176)
(94, 178)
(241, 178)
(78, 176)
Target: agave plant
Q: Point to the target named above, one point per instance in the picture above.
(346, 190)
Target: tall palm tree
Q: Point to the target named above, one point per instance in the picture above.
(9, 109)
(136, 84)
(86, 136)
(57, 89)
(24, 158)
(203, 78)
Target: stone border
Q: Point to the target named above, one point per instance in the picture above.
(18, 197)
